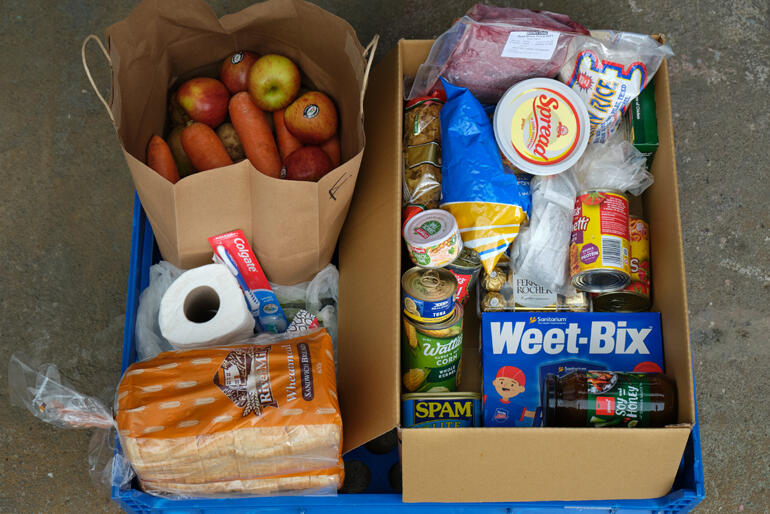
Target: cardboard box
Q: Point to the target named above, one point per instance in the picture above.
(493, 464)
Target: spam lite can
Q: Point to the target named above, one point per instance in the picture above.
(447, 410)
(635, 297)
(600, 249)
(428, 294)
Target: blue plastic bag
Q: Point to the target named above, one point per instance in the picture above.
(484, 197)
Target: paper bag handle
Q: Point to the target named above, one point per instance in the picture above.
(369, 56)
(93, 37)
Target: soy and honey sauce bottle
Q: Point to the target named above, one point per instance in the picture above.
(609, 399)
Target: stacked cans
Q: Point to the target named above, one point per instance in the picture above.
(433, 294)
(609, 252)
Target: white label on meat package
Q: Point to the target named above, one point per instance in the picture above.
(531, 44)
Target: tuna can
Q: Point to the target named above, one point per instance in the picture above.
(440, 410)
(430, 354)
(433, 238)
(599, 246)
(466, 270)
(428, 294)
(635, 297)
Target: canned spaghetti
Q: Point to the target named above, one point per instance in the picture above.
(431, 354)
(635, 297)
(428, 294)
(599, 245)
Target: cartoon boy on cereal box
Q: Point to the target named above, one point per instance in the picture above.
(509, 383)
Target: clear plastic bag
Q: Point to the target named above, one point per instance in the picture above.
(608, 70)
(222, 422)
(421, 182)
(613, 165)
(319, 297)
(149, 341)
(492, 48)
(541, 252)
(48, 396)
(277, 431)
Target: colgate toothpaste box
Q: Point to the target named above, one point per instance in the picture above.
(518, 350)
(233, 250)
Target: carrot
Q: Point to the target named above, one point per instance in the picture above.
(160, 159)
(204, 148)
(287, 143)
(332, 149)
(254, 132)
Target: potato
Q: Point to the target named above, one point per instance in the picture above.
(176, 114)
(232, 142)
(183, 163)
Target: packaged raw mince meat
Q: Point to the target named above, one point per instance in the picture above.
(492, 48)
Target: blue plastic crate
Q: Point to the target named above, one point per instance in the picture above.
(686, 493)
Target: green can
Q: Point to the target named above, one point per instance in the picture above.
(431, 355)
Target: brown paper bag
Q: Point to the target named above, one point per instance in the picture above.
(292, 226)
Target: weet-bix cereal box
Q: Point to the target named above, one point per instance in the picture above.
(518, 349)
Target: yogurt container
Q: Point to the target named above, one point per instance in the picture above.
(433, 238)
(541, 126)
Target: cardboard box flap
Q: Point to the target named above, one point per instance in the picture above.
(525, 464)
(370, 271)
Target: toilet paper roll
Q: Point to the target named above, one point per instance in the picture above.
(204, 307)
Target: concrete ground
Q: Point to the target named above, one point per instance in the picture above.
(66, 201)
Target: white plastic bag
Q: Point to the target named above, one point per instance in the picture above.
(613, 165)
(149, 341)
(319, 297)
(541, 252)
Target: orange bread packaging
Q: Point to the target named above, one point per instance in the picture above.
(250, 419)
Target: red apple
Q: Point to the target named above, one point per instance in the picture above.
(312, 118)
(204, 100)
(235, 70)
(308, 163)
(274, 81)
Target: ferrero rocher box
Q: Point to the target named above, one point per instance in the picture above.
(493, 464)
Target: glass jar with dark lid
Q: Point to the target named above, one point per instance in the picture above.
(608, 399)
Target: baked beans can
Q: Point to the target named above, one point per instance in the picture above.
(635, 297)
(428, 295)
(431, 354)
(440, 410)
(599, 246)
(433, 238)
(466, 270)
